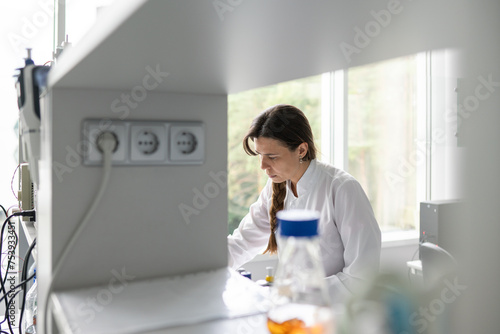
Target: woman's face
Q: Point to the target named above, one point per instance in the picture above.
(279, 163)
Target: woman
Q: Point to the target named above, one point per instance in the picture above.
(349, 233)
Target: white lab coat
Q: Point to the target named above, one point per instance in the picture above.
(350, 237)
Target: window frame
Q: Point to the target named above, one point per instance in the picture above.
(335, 135)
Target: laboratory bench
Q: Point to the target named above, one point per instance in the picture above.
(249, 325)
(218, 301)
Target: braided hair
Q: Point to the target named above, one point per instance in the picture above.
(290, 126)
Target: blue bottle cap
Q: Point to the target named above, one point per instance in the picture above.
(298, 223)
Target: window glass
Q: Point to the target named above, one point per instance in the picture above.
(385, 151)
(81, 16)
(245, 178)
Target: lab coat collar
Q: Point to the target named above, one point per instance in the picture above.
(306, 182)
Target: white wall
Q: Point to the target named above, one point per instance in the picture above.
(479, 230)
(138, 225)
(447, 153)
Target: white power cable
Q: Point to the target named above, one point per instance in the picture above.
(107, 143)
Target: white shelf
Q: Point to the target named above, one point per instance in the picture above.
(205, 51)
(126, 306)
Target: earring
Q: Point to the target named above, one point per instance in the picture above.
(301, 159)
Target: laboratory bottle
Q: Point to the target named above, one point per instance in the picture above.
(30, 310)
(269, 276)
(299, 295)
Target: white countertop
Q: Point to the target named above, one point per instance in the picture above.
(218, 301)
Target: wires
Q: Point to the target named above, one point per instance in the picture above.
(12, 184)
(8, 302)
(6, 215)
(7, 310)
(4, 211)
(23, 279)
(107, 143)
(3, 280)
(18, 286)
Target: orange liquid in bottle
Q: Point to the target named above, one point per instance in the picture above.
(293, 326)
(300, 319)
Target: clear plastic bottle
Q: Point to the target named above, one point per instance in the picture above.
(300, 294)
(30, 309)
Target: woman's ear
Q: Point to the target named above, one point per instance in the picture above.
(302, 149)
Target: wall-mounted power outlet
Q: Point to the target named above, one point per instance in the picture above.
(187, 142)
(147, 142)
(91, 131)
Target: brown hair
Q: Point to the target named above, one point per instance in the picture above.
(290, 126)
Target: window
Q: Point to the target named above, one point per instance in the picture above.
(386, 133)
(369, 120)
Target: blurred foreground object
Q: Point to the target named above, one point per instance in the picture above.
(300, 294)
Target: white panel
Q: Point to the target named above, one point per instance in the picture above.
(153, 220)
(193, 46)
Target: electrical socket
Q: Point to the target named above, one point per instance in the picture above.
(187, 142)
(91, 131)
(148, 141)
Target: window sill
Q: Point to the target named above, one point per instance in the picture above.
(399, 238)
